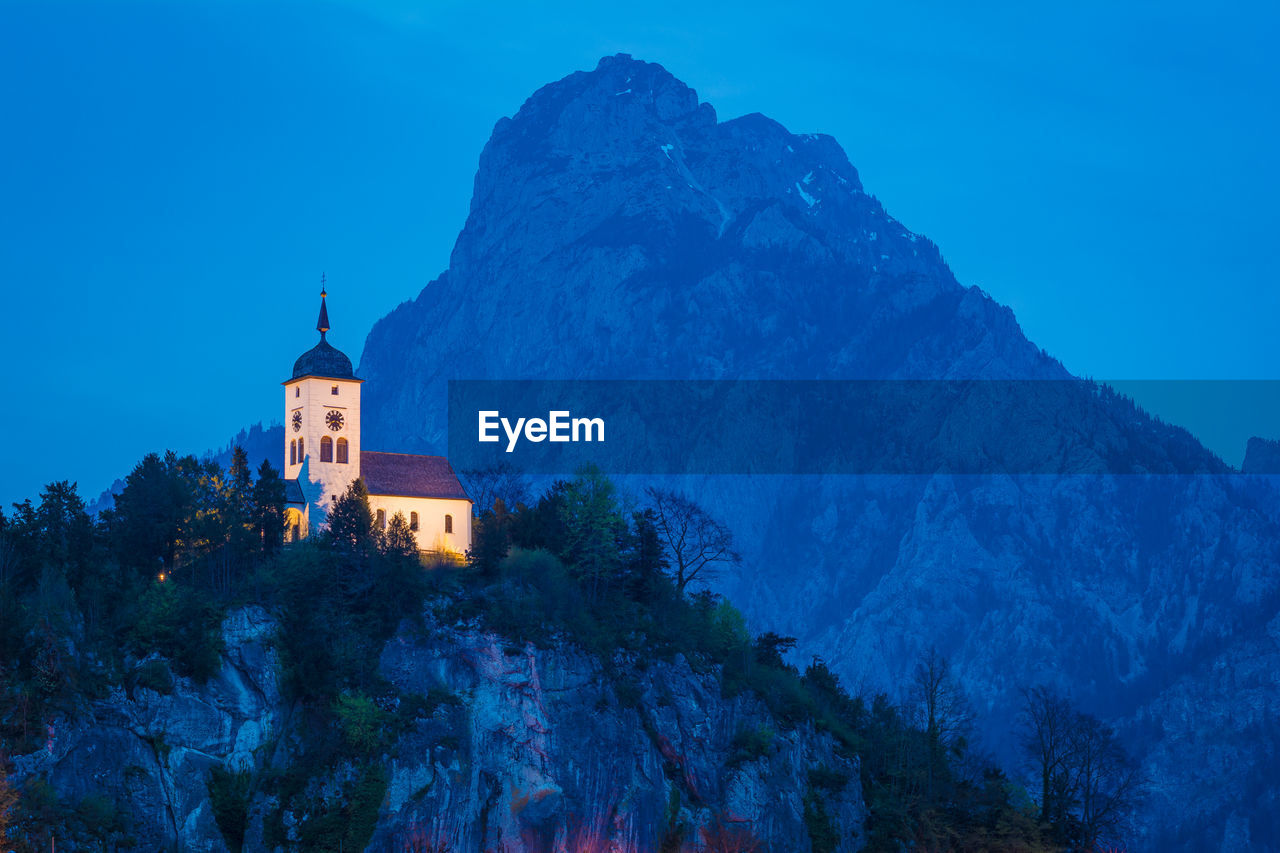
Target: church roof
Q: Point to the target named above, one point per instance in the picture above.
(409, 475)
(293, 492)
(323, 359)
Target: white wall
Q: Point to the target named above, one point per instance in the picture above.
(321, 481)
(431, 512)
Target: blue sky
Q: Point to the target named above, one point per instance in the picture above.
(174, 177)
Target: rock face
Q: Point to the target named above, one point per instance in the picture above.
(535, 749)
(546, 755)
(618, 230)
(151, 751)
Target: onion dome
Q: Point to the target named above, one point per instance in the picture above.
(323, 359)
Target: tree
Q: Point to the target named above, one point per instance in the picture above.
(593, 527)
(268, 508)
(942, 711)
(542, 526)
(770, 648)
(350, 522)
(1106, 781)
(647, 560)
(239, 507)
(501, 482)
(1048, 722)
(399, 540)
(64, 530)
(149, 513)
(1089, 786)
(821, 681)
(698, 545)
(492, 540)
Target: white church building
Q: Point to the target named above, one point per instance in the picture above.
(323, 456)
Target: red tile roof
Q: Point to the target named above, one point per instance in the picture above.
(409, 475)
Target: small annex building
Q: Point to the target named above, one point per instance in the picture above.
(323, 456)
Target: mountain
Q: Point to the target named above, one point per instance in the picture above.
(619, 230)
(1261, 456)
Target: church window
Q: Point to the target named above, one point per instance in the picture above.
(293, 453)
(301, 458)
(326, 449)
(448, 524)
(413, 521)
(297, 390)
(382, 519)
(342, 451)
(334, 390)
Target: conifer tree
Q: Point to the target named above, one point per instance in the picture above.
(647, 559)
(149, 514)
(492, 539)
(268, 507)
(593, 526)
(399, 540)
(350, 523)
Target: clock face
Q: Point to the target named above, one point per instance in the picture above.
(297, 421)
(334, 420)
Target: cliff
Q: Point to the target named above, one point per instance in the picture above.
(520, 747)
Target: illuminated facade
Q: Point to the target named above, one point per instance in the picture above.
(323, 455)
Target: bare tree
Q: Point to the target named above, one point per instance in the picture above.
(1107, 782)
(942, 710)
(497, 482)
(697, 544)
(1048, 721)
(1089, 786)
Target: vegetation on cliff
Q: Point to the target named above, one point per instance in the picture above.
(136, 597)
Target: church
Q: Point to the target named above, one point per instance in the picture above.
(323, 456)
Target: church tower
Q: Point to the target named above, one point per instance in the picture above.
(322, 428)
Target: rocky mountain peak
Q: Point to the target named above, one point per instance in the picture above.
(1262, 456)
(629, 139)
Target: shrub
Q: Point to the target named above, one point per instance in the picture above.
(363, 723)
(823, 837)
(229, 793)
(826, 779)
(750, 743)
(180, 624)
(154, 675)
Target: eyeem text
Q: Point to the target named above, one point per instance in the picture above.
(558, 426)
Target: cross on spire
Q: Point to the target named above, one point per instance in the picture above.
(322, 324)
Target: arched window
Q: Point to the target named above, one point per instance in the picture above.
(326, 449)
(293, 453)
(301, 458)
(448, 524)
(342, 451)
(382, 519)
(413, 521)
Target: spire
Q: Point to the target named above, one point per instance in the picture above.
(322, 325)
